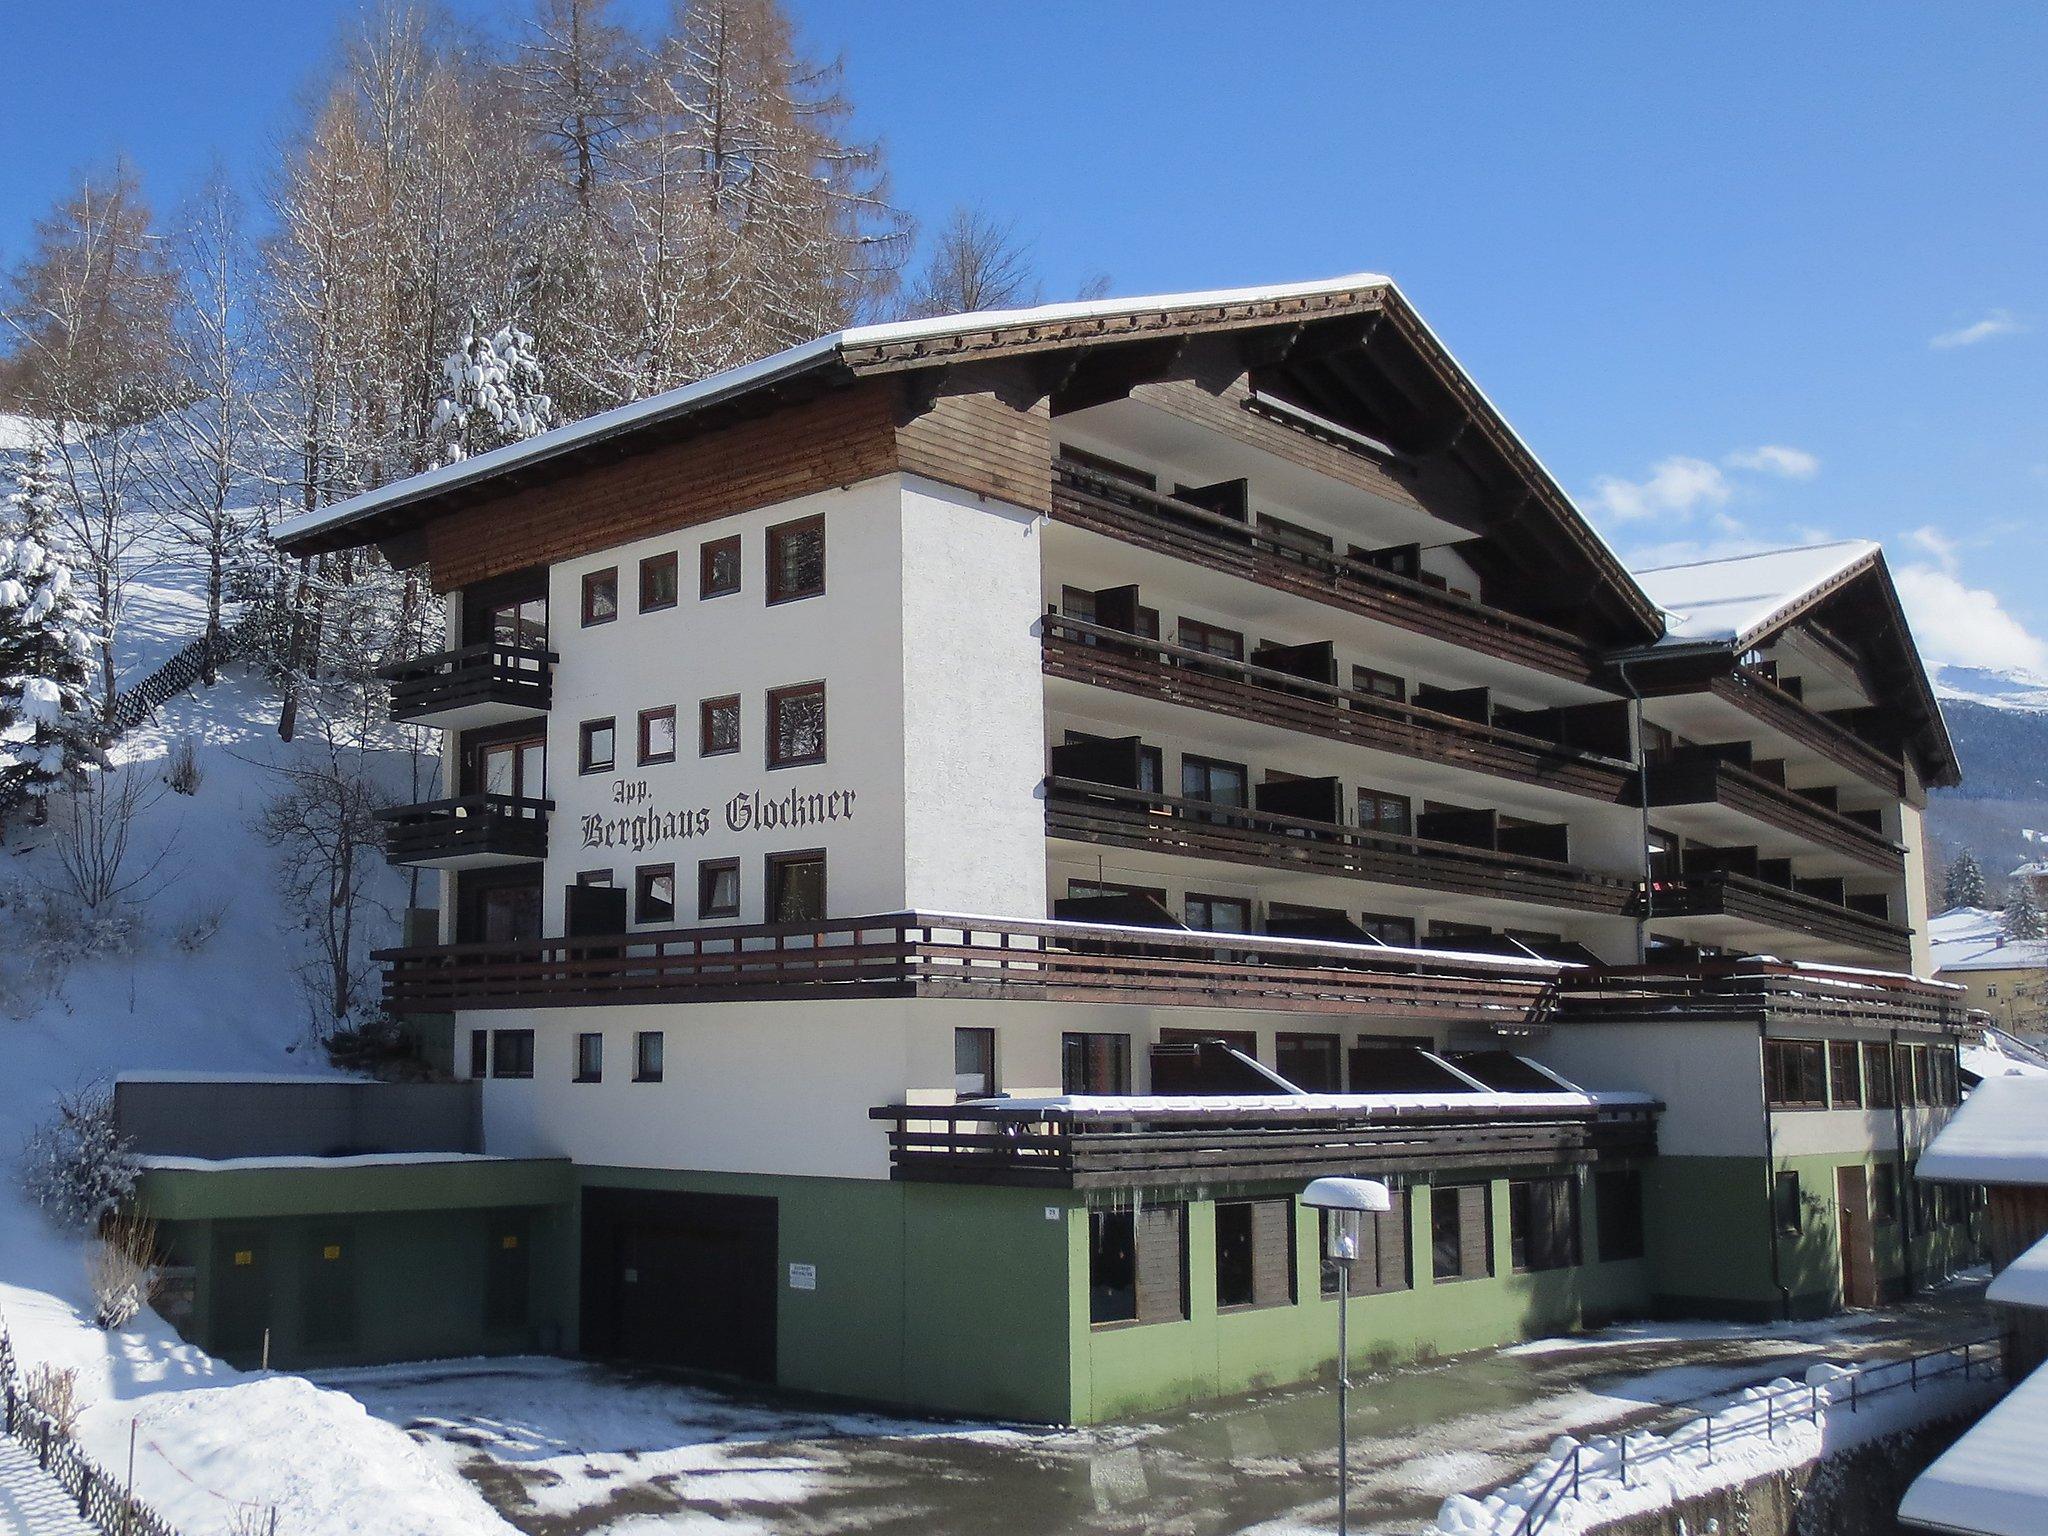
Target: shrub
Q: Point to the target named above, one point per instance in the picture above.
(182, 770)
(122, 1268)
(75, 1164)
(54, 1394)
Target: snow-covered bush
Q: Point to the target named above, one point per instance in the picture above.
(494, 392)
(75, 1165)
(54, 1394)
(122, 1268)
(47, 729)
(196, 929)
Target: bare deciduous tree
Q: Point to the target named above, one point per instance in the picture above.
(976, 263)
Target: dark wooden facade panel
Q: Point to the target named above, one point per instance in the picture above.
(982, 443)
(1162, 1263)
(1475, 1229)
(1272, 1252)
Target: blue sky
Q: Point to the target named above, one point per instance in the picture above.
(1741, 274)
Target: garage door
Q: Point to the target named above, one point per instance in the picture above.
(681, 1279)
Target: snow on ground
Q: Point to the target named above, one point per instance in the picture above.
(33, 1503)
(1761, 1429)
(210, 1440)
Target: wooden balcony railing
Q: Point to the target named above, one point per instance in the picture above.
(1758, 992)
(909, 954)
(1768, 704)
(1175, 1143)
(1198, 829)
(1705, 780)
(483, 684)
(1724, 893)
(1109, 658)
(467, 830)
(1087, 498)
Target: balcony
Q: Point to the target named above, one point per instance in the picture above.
(1126, 1144)
(910, 954)
(1705, 779)
(1132, 514)
(470, 832)
(1104, 657)
(1767, 704)
(1757, 992)
(1750, 911)
(478, 685)
(1089, 812)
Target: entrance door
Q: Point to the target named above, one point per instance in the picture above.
(1859, 1262)
(678, 1279)
(497, 907)
(239, 1309)
(515, 768)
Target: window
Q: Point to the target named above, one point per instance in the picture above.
(1397, 931)
(654, 893)
(796, 887)
(1212, 639)
(658, 735)
(1217, 914)
(1795, 1074)
(590, 1058)
(514, 765)
(1290, 536)
(796, 725)
(1254, 1253)
(1310, 1062)
(1884, 1194)
(718, 726)
(1878, 1088)
(1382, 811)
(1923, 1074)
(1461, 1231)
(1137, 1265)
(601, 596)
(1618, 1207)
(1543, 1224)
(974, 1063)
(1095, 1063)
(1219, 783)
(479, 1053)
(600, 879)
(1382, 1262)
(1384, 685)
(596, 745)
(718, 888)
(718, 568)
(1948, 1084)
(657, 582)
(796, 560)
(1785, 1203)
(511, 1053)
(647, 1056)
(1845, 1077)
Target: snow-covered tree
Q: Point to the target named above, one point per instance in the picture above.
(46, 652)
(32, 506)
(2022, 916)
(1963, 885)
(75, 1165)
(494, 392)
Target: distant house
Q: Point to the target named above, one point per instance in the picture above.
(1994, 1481)
(2006, 978)
(2035, 873)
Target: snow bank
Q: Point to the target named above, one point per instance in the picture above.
(2023, 1282)
(1774, 1427)
(1995, 1138)
(1994, 1480)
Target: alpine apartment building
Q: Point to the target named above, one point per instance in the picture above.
(945, 830)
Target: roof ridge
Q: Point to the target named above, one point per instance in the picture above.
(1755, 554)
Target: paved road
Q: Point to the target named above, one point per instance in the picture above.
(563, 1448)
(31, 1501)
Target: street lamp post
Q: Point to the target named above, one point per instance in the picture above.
(1344, 1203)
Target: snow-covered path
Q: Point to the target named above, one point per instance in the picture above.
(31, 1501)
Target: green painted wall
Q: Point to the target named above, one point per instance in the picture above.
(1128, 1369)
(232, 1193)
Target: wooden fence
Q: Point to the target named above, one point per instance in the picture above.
(102, 1500)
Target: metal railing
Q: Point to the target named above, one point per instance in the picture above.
(1802, 1403)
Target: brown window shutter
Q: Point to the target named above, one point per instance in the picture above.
(1162, 1272)
(1474, 1236)
(1272, 1253)
(1391, 1240)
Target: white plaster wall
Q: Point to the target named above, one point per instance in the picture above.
(973, 705)
(1706, 1074)
(1913, 836)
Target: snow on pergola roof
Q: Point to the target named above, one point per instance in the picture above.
(1738, 599)
(1993, 1481)
(1999, 1136)
(2023, 1282)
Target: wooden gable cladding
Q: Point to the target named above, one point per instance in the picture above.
(840, 438)
(980, 441)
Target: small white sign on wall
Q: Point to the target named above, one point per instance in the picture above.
(803, 1277)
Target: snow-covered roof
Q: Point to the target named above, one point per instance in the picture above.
(1741, 597)
(1999, 1136)
(1970, 939)
(1231, 1106)
(2030, 869)
(1993, 1481)
(156, 1163)
(2023, 1282)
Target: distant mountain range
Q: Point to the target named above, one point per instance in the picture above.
(1998, 718)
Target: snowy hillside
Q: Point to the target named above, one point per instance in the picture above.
(2012, 688)
(207, 981)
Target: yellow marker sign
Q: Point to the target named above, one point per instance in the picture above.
(244, 1257)
(331, 1251)
(508, 1241)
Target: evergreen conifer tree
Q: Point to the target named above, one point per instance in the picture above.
(2022, 918)
(46, 650)
(1963, 886)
